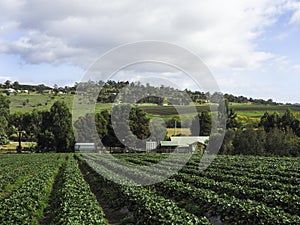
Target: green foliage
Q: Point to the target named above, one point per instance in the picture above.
(234, 189)
(74, 203)
(4, 116)
(137, 121)
(238, 190)
(147, 207)
(249, 142)
(56, 131)
(26, 204)
(61, 127)
(202, 121)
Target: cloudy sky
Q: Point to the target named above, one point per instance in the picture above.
(251, 46)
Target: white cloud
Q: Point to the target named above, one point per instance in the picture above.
(293, 6)
(296, 68)
(60, 31)
(37, 47)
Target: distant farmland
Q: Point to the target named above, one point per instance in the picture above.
(28, 102)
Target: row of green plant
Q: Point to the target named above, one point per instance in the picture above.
(231, 210)
(73, 202)
(290, 203)
(12, 178)
(252, 210)
(26, 204)
(147, 207)
(244, 180)
(272, 169)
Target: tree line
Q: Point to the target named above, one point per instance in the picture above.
(52, 129)
(274, 135)
(101, 126)
(110, 89)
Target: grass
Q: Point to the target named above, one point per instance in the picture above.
(29, 102)
(23, 102)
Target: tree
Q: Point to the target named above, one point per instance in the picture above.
(45, 138)
(85, 128)
(249, 142)
(55, 89)
(138, 126)
(287, 120)
(269, 122)
(16, 85)
(203, 120)
(275, 142)
(4, 117)
(228, 114)
(61, 126)
(227, 146)
(7, 84)
(139, 123)
(56, 129)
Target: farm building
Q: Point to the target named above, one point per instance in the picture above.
(184, 144)
(150, 145)
(85, 147)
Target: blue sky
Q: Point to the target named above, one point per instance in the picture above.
(251, 47)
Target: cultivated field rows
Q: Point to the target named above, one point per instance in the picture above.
(78, 189)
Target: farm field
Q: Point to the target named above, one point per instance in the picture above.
(66, 188)
(28, 102)
(248, 110)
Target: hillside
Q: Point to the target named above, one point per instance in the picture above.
(23, 102)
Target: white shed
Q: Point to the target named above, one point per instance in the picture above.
(85, 147)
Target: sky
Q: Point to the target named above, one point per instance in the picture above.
(251, 47)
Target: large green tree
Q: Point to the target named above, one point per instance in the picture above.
(56, 129)
(228, 114)
(91, 128)
(270, 122)
(249, 142)
(61, 127)
(203, 120)
(137, 121)
(4, 117)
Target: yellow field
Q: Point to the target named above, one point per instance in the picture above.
(182, 131)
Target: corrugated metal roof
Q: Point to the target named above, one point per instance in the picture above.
(86, 144)
(184, 140)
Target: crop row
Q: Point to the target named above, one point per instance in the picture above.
(17, 174)
(231, 210)
(73, 202)
(272, 198)
(147, 207)
(244, 181)
(26, 204)
(290, 203)
(252, 209)
(277, 168)
(235, 175)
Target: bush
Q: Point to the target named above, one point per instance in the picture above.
(3, 139)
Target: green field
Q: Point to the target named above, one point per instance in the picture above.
(28, 102)
(36, 101)
(249, 110)
(67, 189)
